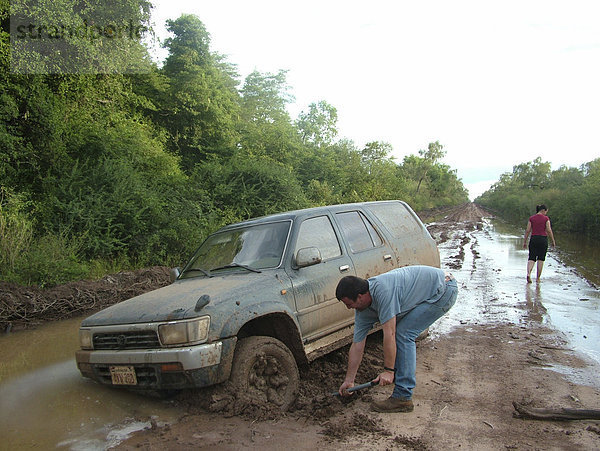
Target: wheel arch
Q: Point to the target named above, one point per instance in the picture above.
(280, 326)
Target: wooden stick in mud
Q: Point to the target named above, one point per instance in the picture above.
(555, 414)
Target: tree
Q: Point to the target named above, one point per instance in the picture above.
(266, 128)
(429, 158)
(534, 174)
(318, 126)
(265, 97)
(201, 107)
(375, 151)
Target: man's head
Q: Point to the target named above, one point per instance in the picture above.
(354, 292)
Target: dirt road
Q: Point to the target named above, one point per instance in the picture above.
(466, 383)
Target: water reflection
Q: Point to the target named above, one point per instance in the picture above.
(26, 351)
(535, 307)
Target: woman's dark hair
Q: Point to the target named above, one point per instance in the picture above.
(541, 207)
(351, 287)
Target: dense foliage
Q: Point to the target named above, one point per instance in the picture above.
(572, 195)
(106, 171)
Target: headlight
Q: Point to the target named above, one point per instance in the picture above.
(85, 339)
(184, 332)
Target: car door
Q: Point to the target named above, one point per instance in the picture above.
(369, 251)
(319, 312)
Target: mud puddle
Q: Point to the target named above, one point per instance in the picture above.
(45, 403)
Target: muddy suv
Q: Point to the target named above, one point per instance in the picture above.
(256, 300)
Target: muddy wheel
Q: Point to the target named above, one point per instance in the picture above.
(265, 371)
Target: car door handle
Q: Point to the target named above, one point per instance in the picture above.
(344, 268)
(387, 257)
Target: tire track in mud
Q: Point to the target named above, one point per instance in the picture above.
(457, 368)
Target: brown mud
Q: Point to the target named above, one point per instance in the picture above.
(28, 307)
(467, 381)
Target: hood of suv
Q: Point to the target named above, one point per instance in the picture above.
(176, 301)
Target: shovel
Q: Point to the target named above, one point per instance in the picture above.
(357, 387)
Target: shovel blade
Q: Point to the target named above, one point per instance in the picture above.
(357, 387)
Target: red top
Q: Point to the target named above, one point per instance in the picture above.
(538, 224)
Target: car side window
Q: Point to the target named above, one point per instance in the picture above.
(396, 218)
(358, 231)
(318, 232)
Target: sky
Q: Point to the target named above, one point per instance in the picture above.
(497, 83)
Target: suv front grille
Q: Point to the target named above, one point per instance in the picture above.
(142, 339)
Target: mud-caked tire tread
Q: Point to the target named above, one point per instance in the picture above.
(264, 369)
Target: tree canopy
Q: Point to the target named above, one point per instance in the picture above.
(105, 170)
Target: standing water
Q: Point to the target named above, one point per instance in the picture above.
(493, 284)
(45, 403)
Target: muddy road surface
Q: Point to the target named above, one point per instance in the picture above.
(504, 341)
(494, 348)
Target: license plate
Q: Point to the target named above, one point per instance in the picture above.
(123, 375)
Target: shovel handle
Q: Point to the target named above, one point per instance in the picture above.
(357, 387)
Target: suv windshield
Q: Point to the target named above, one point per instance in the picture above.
(254, 247)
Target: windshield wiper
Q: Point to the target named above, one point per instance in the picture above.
(203, 271)
(237, 265)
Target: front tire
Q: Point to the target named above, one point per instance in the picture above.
(265, 370)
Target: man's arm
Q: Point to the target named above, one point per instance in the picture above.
(389, 352)
(354, 358)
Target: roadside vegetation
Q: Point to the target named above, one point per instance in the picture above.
(572, 195)
(100, 173)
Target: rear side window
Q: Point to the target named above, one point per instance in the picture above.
(396, 218)
(358, 231)
(318, 232)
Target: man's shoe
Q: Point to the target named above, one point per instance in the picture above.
(393, 405)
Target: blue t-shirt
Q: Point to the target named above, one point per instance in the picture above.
(396, 292)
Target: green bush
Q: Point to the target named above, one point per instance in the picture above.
(16, 230)
(49, 261)
(27, 260)
(246, 187)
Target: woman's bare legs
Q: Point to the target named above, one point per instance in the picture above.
(540, 266)
(530, 264)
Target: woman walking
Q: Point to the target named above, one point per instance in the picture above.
(539, 228)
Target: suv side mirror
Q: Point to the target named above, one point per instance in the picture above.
(174, 274)
(308, 256)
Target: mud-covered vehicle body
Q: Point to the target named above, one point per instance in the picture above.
(256, 300)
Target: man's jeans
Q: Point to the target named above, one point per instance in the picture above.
(408, 328)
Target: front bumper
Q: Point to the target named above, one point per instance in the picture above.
(163, 369)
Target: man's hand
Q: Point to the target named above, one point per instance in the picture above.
(354, 358)
(385, 378)
(343, 391)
